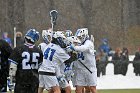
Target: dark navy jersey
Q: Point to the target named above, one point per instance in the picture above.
(5, 51)
(27, 58)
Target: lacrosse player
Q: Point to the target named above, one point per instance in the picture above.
(54, 56)
(5, 51)
(25, 62)
(85, 73)
(66, 68)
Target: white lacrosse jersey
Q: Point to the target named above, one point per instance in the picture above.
(86, 56)
(42, 46)
(54, 56)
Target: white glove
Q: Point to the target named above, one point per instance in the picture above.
(10, 83)
(61, 79)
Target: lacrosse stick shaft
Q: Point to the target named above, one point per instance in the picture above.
(14, 36)
(85, 66)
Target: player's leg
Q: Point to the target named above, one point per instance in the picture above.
(40, 90)
(93, 89)
(20, 88)
(83, 91)
(51, 84)
(79, 80)
(41, 84)
(68, 89)
(56, 89)
(50, 91)
(34, 88)
(65, 86)
(3, 84)
(87, 89)
(92, 81)
(79, 89)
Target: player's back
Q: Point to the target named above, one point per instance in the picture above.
(27, 58)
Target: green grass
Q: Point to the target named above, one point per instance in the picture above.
(120, 91)
(115, 91)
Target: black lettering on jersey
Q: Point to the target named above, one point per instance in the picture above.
(30, 61)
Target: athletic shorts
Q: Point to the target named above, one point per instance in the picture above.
(84, 78)
(47, 81)
(26, 88)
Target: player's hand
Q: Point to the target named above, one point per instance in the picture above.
(70, 48)
(74, 56)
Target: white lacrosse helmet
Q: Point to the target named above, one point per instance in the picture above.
(60, 38)
(59, 34)
(72, 40)
(82, 34)
(68, 33)
(47, 35)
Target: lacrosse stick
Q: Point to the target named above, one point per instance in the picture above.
(53, 15)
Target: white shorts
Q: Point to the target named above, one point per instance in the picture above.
(84, 78)
(48, 82)
(64, 84)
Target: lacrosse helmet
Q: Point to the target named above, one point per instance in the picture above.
(73, 40)
(32, 36)
(47, 35)
(68, 33)
(82, 34)
(59, 38)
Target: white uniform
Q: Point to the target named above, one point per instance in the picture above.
(54, 56)
(82, 76)
(42, 46)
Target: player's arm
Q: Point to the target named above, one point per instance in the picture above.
(40, 58)
(85, 47)
(13, 59)
(7, 49)
(73, 57)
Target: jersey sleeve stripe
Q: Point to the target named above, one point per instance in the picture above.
(10, 60)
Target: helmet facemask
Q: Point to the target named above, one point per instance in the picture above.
(32, 36)
(60, 39)
(82, 34)
(47, 35)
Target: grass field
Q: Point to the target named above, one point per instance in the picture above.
(120, 91)
(115, 91)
